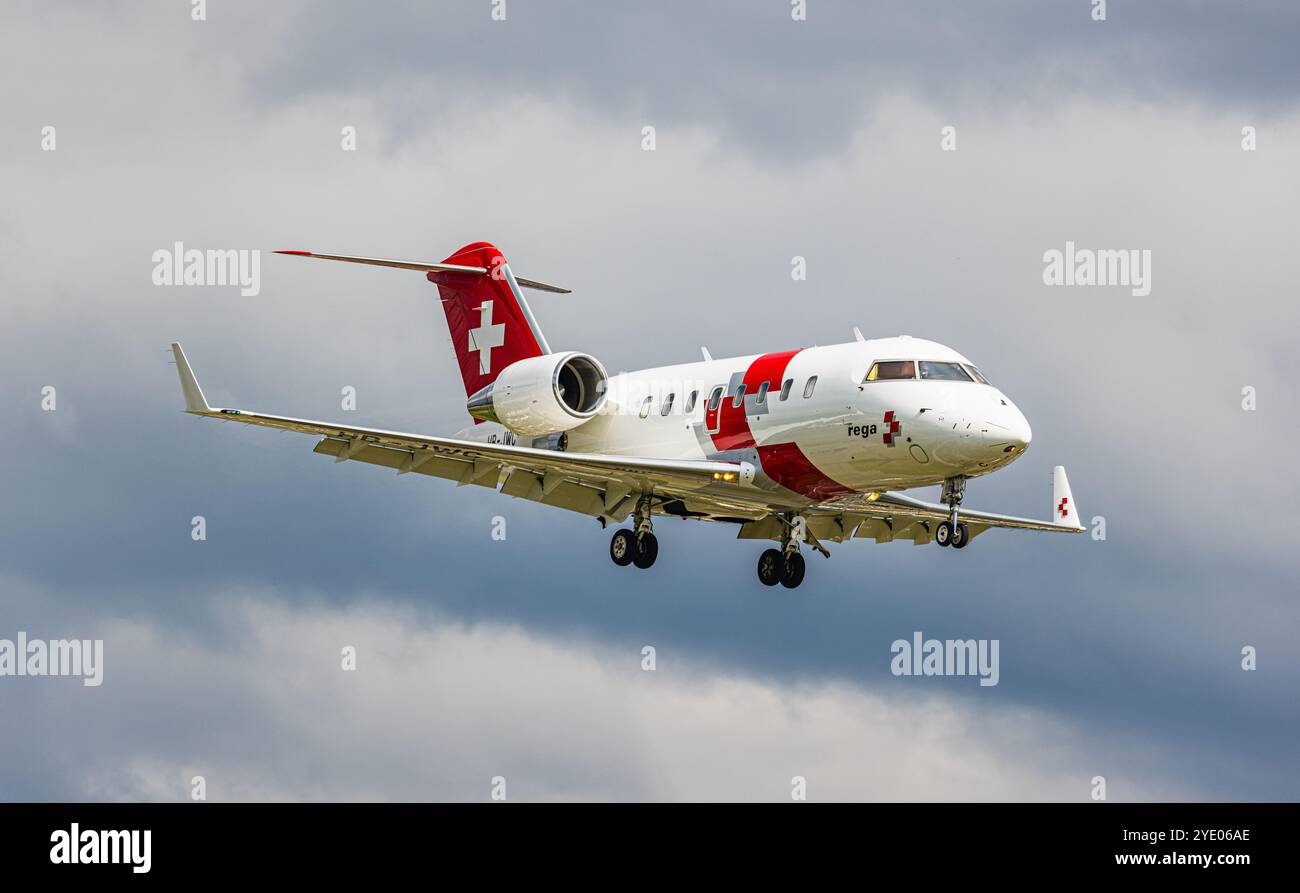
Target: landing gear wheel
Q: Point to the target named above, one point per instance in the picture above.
(771, 567)
(645, 551)
(622, 547)
(943, 534)
(960, 537)
(794, 571)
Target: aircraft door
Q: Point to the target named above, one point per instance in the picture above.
(713, 410)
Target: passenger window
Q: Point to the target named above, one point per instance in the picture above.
(690, 402)
(739, 398)
(943, 371)
(668, 404)
(785, 388)
(761, 399)
(645, 406)
(891, 370)
(808, 388)
(715, 399)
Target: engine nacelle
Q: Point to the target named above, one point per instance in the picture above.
(543, 395)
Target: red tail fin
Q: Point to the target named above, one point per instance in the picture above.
(489, 320)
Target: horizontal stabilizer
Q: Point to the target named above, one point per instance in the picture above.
(424, 267)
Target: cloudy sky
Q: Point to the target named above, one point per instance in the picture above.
(477, 658)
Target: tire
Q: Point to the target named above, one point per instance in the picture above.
(646, 550)
(771, 567)
(622, 547)
(794, 571)
(943, 534)
(961, 537)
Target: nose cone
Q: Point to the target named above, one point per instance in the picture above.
(1020, 432)
(1007, 433)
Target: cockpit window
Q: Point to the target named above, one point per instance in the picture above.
(932, 371)
(975, 373)
(892, 370)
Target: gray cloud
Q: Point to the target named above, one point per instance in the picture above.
(780, 87)
(437, 708)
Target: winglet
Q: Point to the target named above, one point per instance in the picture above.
(1064, 510)
(194, 400)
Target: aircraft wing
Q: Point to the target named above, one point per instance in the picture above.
(597, 485)
(606, 486)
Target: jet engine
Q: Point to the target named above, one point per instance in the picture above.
(543, 395)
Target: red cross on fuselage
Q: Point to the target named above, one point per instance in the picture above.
(891, 428)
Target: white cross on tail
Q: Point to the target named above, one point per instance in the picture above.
(486, 337)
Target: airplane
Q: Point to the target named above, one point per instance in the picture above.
(801, 447)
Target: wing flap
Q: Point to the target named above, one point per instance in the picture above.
(436, 466)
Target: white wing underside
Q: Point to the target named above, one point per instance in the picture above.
(607, 486)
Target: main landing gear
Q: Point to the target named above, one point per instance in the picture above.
(774, 567)
(950, 532)
(786, 565)
(636, 546)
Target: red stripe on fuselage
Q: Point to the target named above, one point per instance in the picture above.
(784, 463)
(733, 428)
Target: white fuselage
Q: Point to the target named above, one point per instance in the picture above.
(841, 434)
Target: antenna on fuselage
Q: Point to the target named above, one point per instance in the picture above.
(857, 334)
(707, 356)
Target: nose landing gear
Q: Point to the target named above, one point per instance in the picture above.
(950, 532)
(947, 535)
